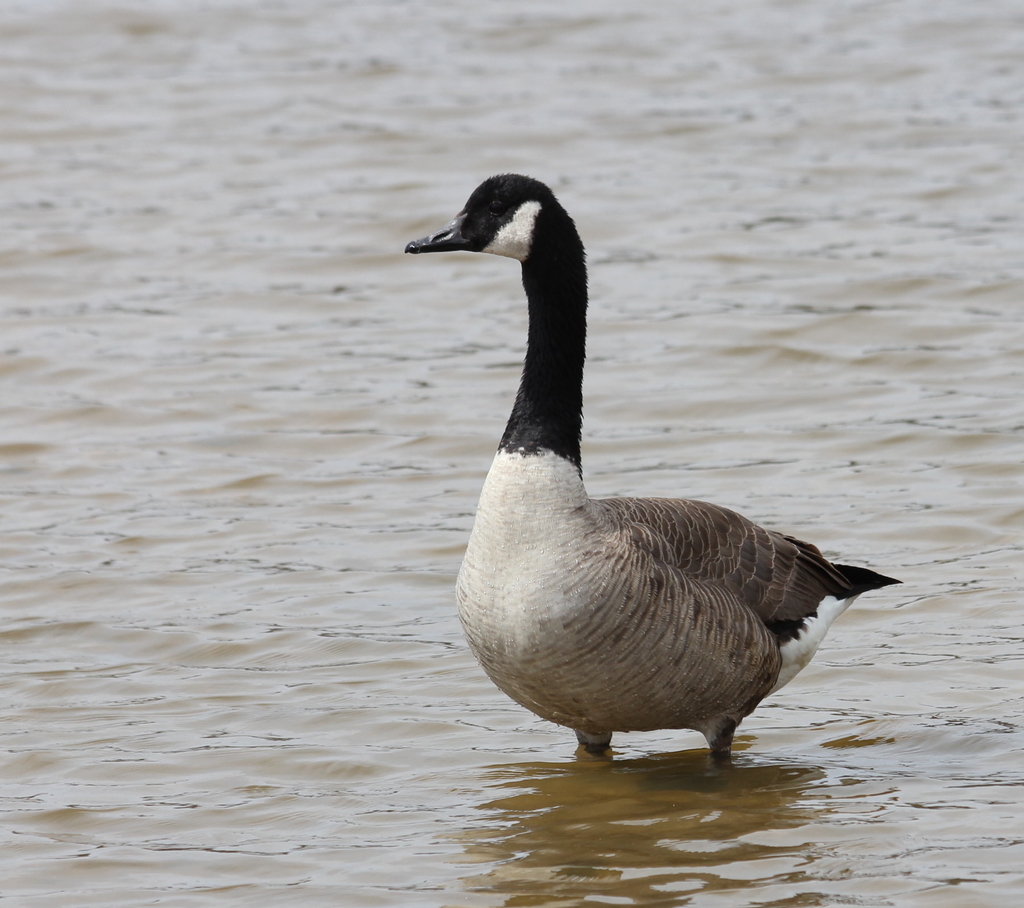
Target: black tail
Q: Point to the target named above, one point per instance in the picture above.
(861, 579)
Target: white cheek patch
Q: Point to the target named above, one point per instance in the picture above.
(516, 237)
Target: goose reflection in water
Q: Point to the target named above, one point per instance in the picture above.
(648, 831)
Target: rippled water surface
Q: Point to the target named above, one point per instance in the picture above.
(241, 440)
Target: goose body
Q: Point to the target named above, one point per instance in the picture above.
(623, 614)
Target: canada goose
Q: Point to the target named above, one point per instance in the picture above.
(622, 614)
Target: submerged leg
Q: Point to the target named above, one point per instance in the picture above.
(719, 737)
(594, 744)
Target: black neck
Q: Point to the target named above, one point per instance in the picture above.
(548, 412)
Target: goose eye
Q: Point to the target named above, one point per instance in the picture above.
(496, 208)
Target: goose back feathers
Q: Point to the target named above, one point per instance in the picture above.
(622, 614)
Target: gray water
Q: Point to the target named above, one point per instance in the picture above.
(242, 436)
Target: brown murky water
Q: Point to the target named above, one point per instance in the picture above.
(241, 439)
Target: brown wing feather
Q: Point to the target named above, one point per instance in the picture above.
(777, 577)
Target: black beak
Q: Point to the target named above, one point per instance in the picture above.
(448, 239)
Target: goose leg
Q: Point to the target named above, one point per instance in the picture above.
(719, 737)
(594, 744)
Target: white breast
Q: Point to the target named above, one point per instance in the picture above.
(526, 571)
(528, 523)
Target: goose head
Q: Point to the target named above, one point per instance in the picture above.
(503, 217)
(519, 217)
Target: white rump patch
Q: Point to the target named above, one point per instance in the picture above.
(515, 238)
(798, 652)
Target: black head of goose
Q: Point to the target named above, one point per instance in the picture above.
(622, 614)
